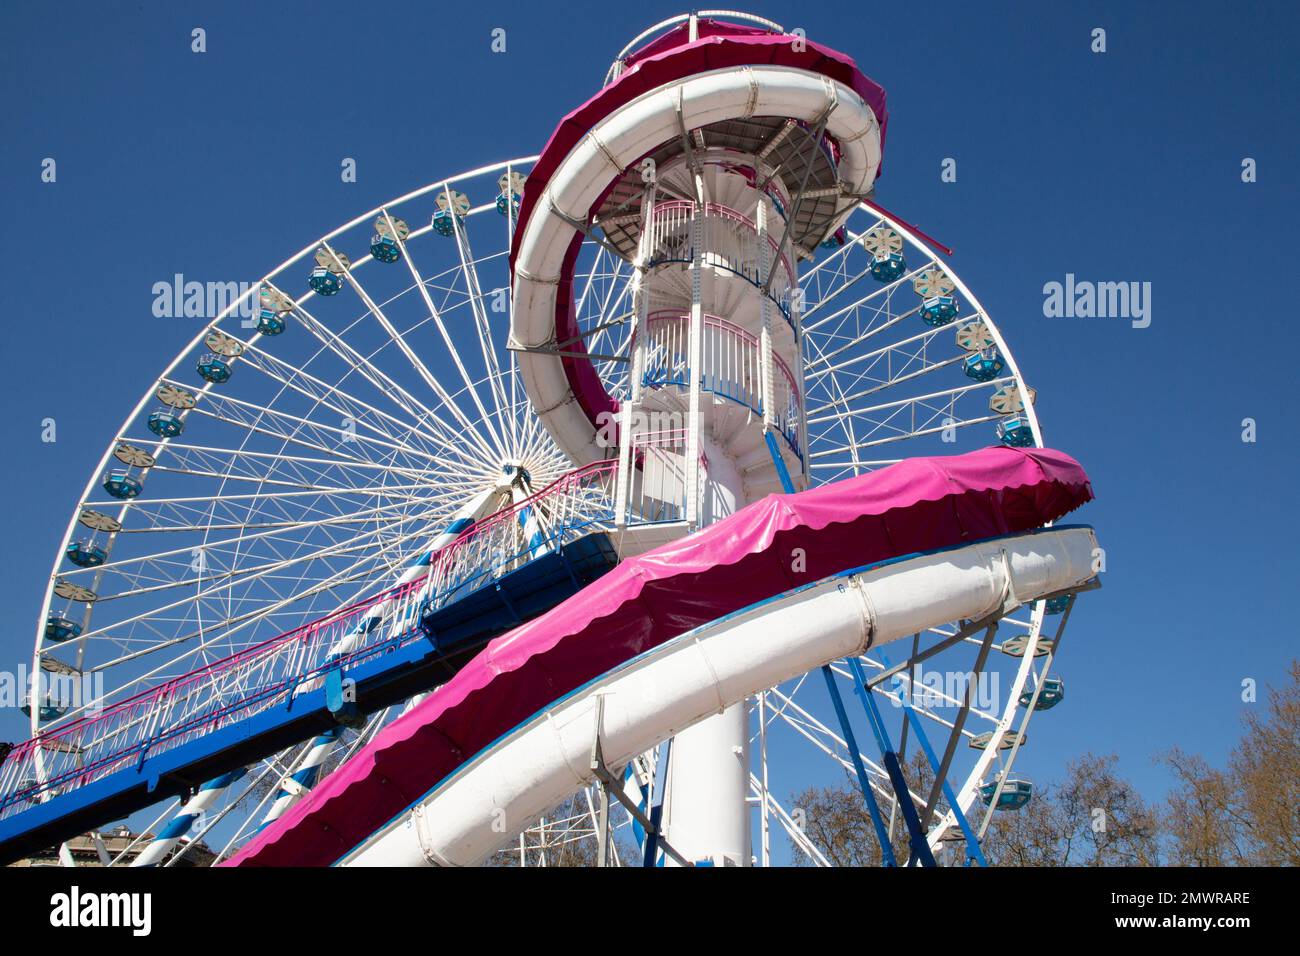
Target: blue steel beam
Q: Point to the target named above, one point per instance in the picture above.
(920, 847)
(877, 821)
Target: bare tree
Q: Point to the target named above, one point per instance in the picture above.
(570, 840)
(1095, 818)
(1248, 813)
(837, 821)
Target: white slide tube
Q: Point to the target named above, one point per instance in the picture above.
(617, 142)
(658, 694)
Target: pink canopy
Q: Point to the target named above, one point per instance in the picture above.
(921, 504)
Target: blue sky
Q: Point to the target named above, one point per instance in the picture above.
(1123, 166)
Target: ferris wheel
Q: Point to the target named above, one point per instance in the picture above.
(733, 297)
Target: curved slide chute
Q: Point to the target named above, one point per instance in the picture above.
(730, 73)
(701, 673)
(774, 546)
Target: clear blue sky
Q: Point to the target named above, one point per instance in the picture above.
(1122, 166)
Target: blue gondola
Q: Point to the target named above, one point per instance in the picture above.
(1057, 605)
(85, 555)
(444, 222)
(984, 366)
(122, 485)
(46, 711)
(166, 423)
(1015, 431)
(324, 282)
(939, 310)
(1053, 693)
(213, 368)
(59, 628)
(508, 203)
(385, 248)
(889, 267)
(269, 322)
(1015, 794)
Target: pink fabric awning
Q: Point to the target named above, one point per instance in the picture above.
(922, 504)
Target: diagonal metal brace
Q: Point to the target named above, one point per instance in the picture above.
(612, 785)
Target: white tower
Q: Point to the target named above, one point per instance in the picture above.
(716, 158)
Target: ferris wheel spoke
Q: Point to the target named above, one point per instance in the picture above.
(898, 429)
(218, 581)
(323, 438)
(907, 366)
(230, 477)
(875, 303)
(435, 314)
(306, 547)
(481, 324)
(252, 419)
(302, 471)
(240, 543)
(792, 829)
(326, 395)
(365, 368)
(822, 366)
(900, 374)
(360, 572)
(412, 358)
(806, 725)
(883, 414)
(147, 506)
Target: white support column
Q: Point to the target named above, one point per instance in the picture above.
(695, 354)
(796, 320)
(640, 308)
(765, 310)
(706, 813)
(706, 810)
(764, 824)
